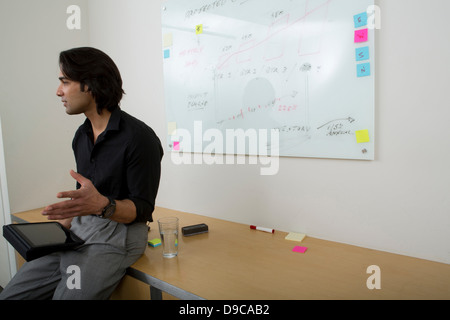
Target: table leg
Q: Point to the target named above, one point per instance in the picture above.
(155, 293)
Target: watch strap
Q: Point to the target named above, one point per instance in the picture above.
(109, 210)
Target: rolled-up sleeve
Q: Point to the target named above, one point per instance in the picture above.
(143, 172)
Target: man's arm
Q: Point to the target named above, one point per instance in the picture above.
(143, 172)
(86, 201)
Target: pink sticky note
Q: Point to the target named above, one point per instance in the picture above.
(176, 146)
(361, 35)
(299, 249)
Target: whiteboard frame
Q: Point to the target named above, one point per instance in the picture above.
(364, 150)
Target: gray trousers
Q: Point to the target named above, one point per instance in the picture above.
(98, 270)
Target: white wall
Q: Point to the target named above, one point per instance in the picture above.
(37, 132)
(397, 203)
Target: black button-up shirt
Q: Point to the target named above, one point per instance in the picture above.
(124, 163)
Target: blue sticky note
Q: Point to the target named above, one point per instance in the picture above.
(360, 19)
(167, 54)
(363, 70)
(362, 54)
(154, 243)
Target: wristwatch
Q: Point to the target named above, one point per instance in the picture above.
(109, 210)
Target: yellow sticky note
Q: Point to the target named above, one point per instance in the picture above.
(167, 40)
(362, 136)
(295, 237)
(154, 243)
(171, 128)
(199, 29)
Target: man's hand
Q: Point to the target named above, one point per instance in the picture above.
(84, 201)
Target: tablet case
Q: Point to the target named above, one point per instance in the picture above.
(29, 250)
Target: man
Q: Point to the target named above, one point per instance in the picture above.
(118, 171)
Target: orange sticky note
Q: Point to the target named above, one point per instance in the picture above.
(362, 136)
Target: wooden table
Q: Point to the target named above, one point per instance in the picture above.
(232, 262)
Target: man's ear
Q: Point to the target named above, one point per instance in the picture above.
(85, 88)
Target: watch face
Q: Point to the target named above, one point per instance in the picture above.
(110, 211)
(111, 208)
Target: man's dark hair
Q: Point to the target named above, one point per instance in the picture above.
(97, 70)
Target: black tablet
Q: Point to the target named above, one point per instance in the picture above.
(33, 240)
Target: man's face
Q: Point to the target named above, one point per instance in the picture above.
(75, 101)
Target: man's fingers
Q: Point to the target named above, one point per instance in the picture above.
(61, 216)
(80, 179)
(57, 208)
(67, 194)
(80, 203)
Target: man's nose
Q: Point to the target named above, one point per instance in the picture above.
(59, 92)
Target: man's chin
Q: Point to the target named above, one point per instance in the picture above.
(71, 112)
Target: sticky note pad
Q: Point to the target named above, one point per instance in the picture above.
(299, 249)
(199, 29)
(172, 128)
(167, 40)
(166, 54)
(363, 70)
(360, 20)
(154, 243)
(295, 237)
(362, 136)
(361, 35)
(362, 54)
(176, 146)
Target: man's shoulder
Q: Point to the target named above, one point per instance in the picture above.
(135, 125)
(132, 120)
(137, 129)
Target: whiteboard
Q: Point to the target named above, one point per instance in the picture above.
(304, 68)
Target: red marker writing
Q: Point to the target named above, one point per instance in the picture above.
(262, 229)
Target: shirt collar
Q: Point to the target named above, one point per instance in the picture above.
(114, 120)
(113, 123)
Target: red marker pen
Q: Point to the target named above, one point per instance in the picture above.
(262, 229)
